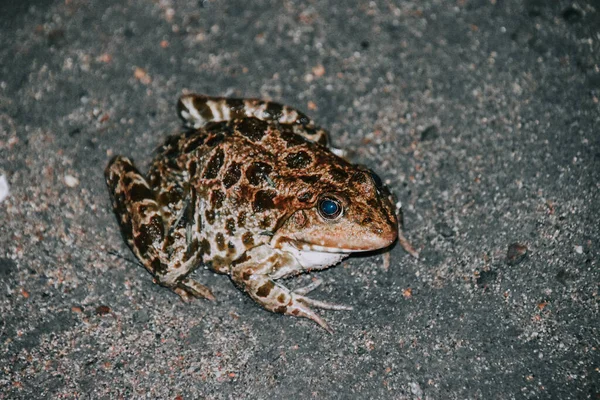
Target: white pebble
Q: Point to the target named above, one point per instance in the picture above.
(3, 188)
(416, 390)
(579, 249)
(71, 181)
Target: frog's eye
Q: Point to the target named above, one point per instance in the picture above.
(330, 208)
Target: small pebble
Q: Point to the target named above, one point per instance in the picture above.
(71, 181)
(3, 188)
(579, 249)
(430, 133)
(516, 253)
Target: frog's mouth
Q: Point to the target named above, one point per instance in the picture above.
(332, 245)
(304, 246)
(286, 243)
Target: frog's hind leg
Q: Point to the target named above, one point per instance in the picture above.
(255, 275)
(142, 226)
(135, 207)
(197, 110)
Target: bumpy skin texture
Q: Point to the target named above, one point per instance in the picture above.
(242, 191)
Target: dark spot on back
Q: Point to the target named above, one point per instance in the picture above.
(257, 172)
(338, 175)
(232, 175)
(241, 220)
(204, 247)
(216, 198)
(230, 226)
(252, 128)
(230, 250)
(214, 165)
(220, 241)
(248, 239)
(292, 139)
(309, 178)
(210, 216)
(263, 200)
(300, 159)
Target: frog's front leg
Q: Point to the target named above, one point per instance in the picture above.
(255, 273)
(142, 225)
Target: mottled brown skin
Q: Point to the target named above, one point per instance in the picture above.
(242, 191)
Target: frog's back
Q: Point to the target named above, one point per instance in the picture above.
(244, 178)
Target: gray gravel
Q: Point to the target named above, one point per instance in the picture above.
(483, 115)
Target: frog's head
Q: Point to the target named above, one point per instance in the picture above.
(353, 215)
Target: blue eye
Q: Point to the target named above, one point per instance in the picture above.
(330, 208)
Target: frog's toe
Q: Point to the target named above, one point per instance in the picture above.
(308, 288)
(299, 308)
(322, 304)
(189, 289)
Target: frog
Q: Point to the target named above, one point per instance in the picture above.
(252, 189)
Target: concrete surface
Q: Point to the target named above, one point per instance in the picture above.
(483, 115)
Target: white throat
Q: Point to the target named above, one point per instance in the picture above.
(314, 258)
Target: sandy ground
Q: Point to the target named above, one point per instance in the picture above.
(482, 115)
